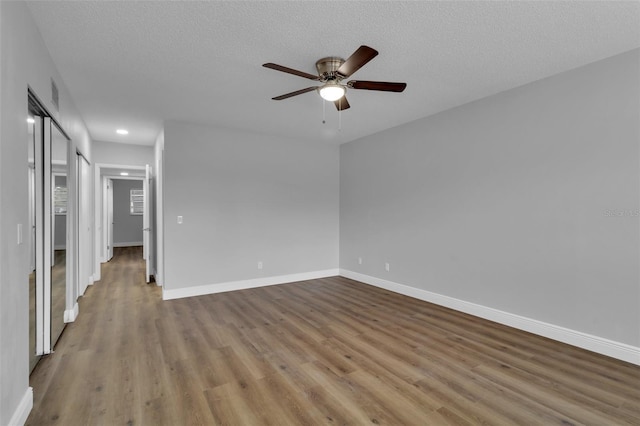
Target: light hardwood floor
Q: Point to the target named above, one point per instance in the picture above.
(328, 351)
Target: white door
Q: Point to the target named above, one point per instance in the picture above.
(146, 223)
(109, 223)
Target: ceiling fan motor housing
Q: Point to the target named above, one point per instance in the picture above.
(327, 68)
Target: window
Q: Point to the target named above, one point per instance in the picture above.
(137, 201)
(60, 200)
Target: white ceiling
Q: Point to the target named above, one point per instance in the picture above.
(135, 64)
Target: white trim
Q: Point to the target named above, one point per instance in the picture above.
(98, 212)
(48, 238)
(23, 409)
(582, 340)
(201, 290)
(39, 232)
(70, 315)
(91, 280)
(128, 244)
(155, 277)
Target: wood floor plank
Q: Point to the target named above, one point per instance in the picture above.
(405, 410)
(328, 351)
(404, 387)
(353, 402)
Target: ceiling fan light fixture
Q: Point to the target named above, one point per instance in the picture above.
(332, 92)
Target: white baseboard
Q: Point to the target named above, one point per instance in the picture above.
(70, 315)
(156, 278)
(168, 294)
(618, 350)
(128, 244)
(23, 409)
(92, 279)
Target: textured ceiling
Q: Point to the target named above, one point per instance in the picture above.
(135, 64)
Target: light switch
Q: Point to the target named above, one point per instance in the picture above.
(19, 233)
(179, 220)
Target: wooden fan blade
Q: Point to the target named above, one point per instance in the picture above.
(357, 60)
(291, 71)
(342, 104)
(297, 92)
(384, 86)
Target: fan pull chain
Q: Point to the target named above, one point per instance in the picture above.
(340, 116)
(323, 113)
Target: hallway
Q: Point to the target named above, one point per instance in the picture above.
(90, 377)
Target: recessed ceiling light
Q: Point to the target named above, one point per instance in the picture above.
(122, 132)
(124, 174)
(31, 120)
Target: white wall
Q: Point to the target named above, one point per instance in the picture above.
(246, 198)
(507, 202)
(127, 228)
(24, 62)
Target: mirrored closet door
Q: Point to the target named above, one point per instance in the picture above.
(35, 240)
(48, 168)
(59, 191)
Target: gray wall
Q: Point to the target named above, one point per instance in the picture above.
(246, 198)
(127, 228)
(122, 154)
(24, 62)
(526, 201)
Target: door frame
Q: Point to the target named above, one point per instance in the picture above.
(107, 218)
(101, 172)
(84, 225)
(147, 230)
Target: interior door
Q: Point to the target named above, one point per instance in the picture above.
(109, 223)
(146, 223)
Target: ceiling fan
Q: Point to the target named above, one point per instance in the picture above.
(331, 72)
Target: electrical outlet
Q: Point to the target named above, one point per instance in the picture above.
(387, 267)
(259, 265)
(359, 261)
(179, 220)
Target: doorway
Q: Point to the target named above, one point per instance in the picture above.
(123, 211)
